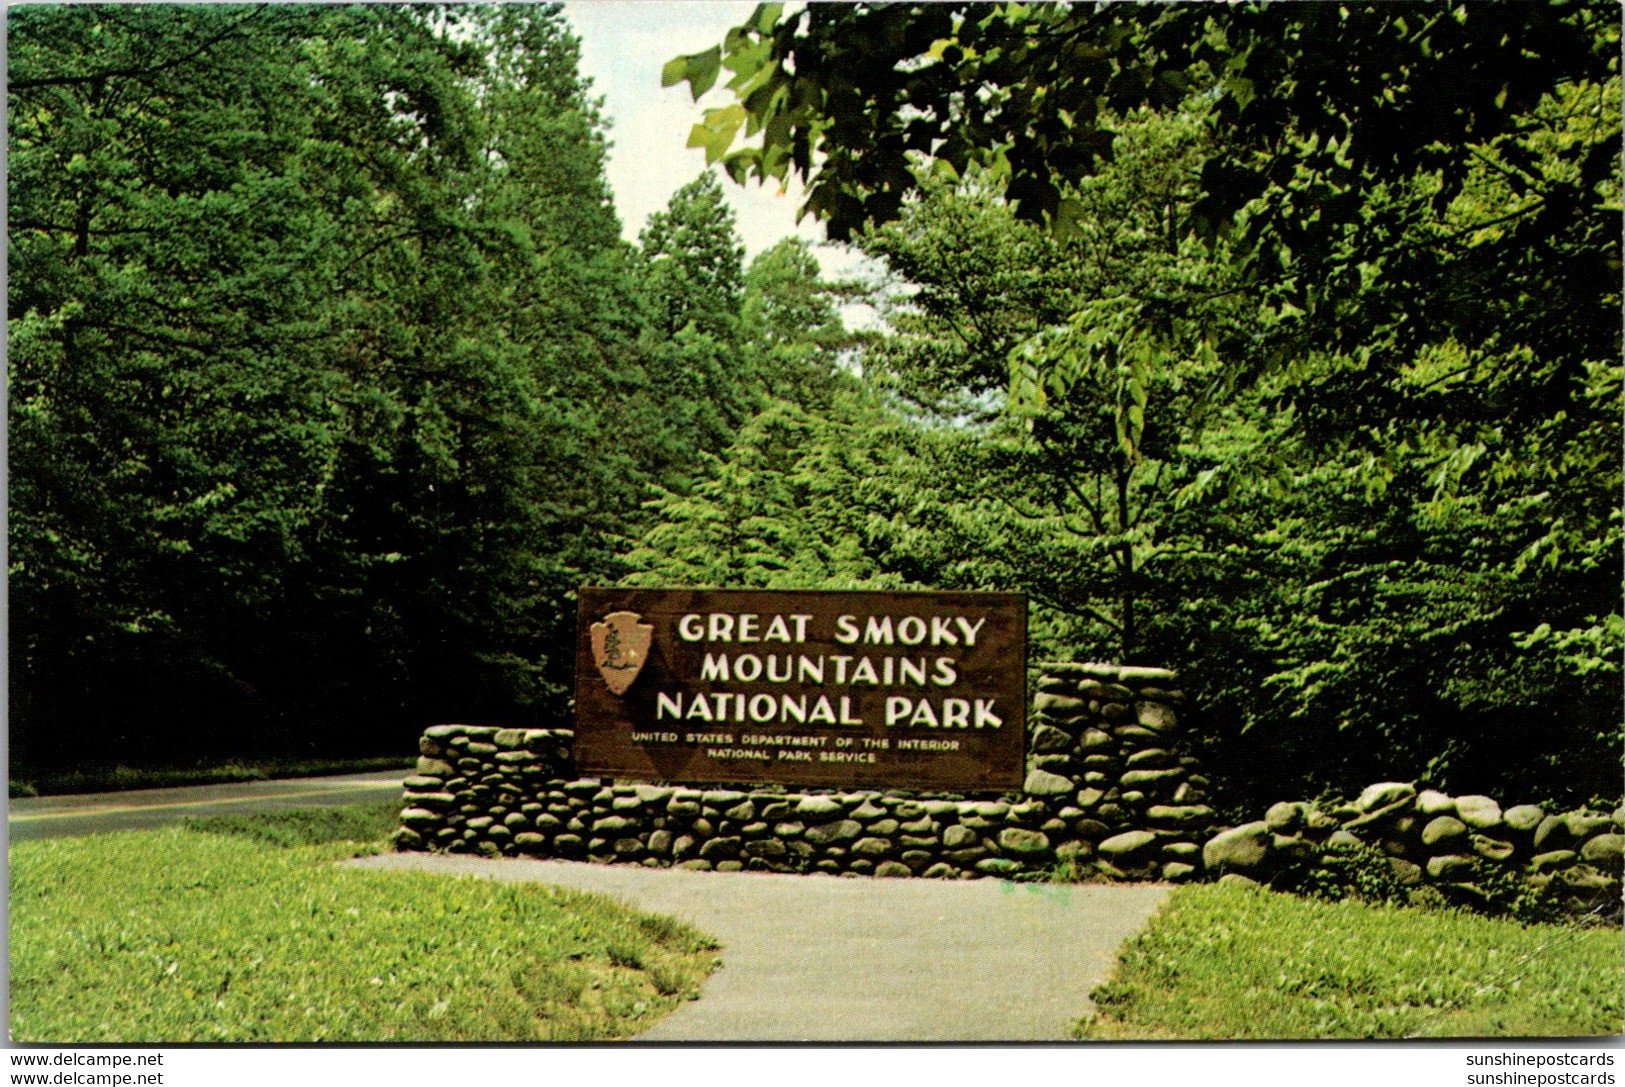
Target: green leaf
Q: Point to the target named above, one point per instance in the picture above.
(1241, 89)
(675, 71)
(766, 16)
(1069, 215)
(703, 69)
(716, 133)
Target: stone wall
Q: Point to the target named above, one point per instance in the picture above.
(1456, 847)
(1110, 789)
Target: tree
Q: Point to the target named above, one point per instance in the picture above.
(1341, 135)
(318, 322)
(849, 97)
(491, 479)
(1340, 138)
(692, 267)
(163, 333)
(790, 320)
(1451, 600)
(800, 497)
(799, 500)
(1072, 376)
(1405, 491)
(695, 262)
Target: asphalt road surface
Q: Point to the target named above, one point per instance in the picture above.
(138, 809)
(820, 958)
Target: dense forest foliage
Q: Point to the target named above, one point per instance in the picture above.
(1275, 343)
(331, 378)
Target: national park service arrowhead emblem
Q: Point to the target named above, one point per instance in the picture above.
(620, 646)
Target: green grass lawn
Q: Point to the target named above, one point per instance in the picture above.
(239, 930)
(1230, 962)
(363, 824)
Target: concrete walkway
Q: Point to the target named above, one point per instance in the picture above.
(819, 958)
(138, 809)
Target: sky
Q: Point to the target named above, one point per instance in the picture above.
(624, 44)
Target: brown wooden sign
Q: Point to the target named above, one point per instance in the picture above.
(913, 690)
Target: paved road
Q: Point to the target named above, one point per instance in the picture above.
(137, 809)
(819, 958)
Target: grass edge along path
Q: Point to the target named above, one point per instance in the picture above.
(1224, 962)
(182, 935)
(366, 826)
(115, 779)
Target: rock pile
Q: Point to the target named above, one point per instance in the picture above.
(1108, 789)
(1107, 741)
(1451, 844)
(478, 789)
